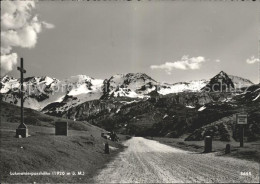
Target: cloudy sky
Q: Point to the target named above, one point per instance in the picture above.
(170, 41)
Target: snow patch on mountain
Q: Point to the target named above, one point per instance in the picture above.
(202, 108)
(133, 101)
(256, 97)
(80, 89)
(191, 107)
(192, 86)
(8, 83)
(48, 80)
(165, 116)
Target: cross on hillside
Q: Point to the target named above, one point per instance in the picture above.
(22, 129)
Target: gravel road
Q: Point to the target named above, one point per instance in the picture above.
(148, 161)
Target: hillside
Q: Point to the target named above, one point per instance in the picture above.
(11, 114)
(240, 82)
(225, 129)
(169, 115)
(81, 151)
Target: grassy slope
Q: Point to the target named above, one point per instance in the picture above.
(82, 150)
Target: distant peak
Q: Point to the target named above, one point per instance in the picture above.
(78, 78)
(6, 78)
(133, 75)
(138, 73)
(222, 73)
(220, 82)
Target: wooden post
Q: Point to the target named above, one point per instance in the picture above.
(242, 136)
(227, 150)
(22, 129)
(106, 148)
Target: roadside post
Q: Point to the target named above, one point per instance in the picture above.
(106, 148)
(241, 119)
(208, 144)
(227, 150)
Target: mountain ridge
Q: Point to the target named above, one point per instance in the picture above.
(78, 89)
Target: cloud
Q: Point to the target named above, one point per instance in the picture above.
(48, 25)
(8, 61)
(217, 60)
(252, 60)
(19, 28)
(185, 63)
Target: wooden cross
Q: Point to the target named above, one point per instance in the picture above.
(22, 71)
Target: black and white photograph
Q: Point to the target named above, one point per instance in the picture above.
(130, 91)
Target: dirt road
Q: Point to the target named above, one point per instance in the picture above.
(148, 161)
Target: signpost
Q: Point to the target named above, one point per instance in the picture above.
(241, 121)
(22, 129)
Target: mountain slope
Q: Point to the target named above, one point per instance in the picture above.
(240, 82)
(219, 83)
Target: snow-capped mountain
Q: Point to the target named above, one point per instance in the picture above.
(84, 88)
(133, 85)
(219, 83)
(139, 85)
(224, 82)
(80, 89)
(41, 92)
